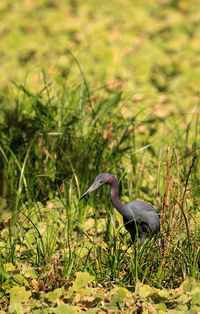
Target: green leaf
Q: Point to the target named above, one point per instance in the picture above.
(18, 279)
(31, 273)
(16, 308)
(82, 278)
(196, 298)
(118, 294)
(195, 290)
(3, 298)
(66, 309)
(93, 311)
(19, 295)
(189, 285)
(182, 307)
(6, 286)
(30, 238)
(162, 306)
(144, 290)
(54, 295)
(10, 267)
(164, 293)
(69, 292)
(41, 311)
(194, 308)
(183, 299)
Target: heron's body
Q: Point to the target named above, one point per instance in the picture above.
(137, 215)
(146, 218)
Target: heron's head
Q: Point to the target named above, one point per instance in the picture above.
(101, 179)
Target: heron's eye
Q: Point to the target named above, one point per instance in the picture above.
(100, 181)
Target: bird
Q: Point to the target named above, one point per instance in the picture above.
(139, 217)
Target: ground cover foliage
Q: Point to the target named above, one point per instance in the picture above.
(98, 87)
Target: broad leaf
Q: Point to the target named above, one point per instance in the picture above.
(82, 278)
(19, 295)
(54, 295)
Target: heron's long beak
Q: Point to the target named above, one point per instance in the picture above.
(93, 187)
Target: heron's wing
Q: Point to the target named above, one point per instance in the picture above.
(144, 213)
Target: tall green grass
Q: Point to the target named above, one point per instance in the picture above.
(53, 144)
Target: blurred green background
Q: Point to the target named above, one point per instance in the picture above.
(143, 48)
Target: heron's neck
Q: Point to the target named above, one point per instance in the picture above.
(122, 208)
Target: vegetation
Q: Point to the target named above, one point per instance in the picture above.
(118, 91)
